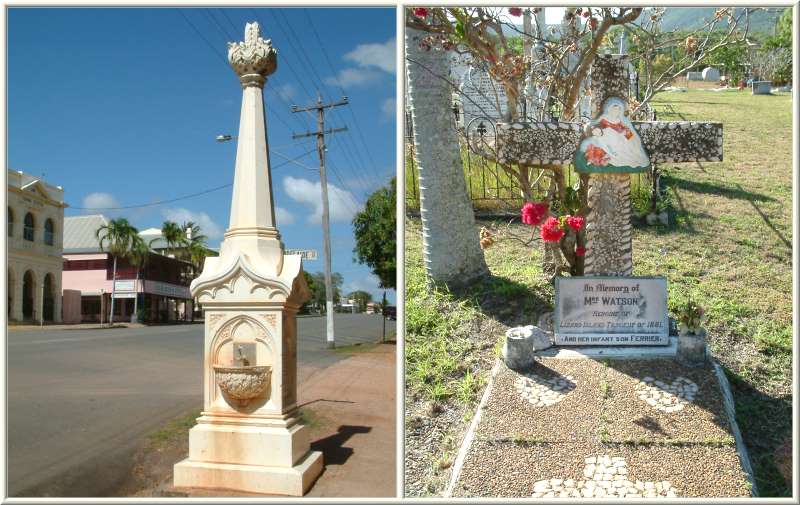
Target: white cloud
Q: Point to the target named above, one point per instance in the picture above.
(283, 216)
(368, 283)
(343, 204)
(99, 201)
(381, 56)
(389, 109)
(354, 77)
(207, 225)
(285, 91)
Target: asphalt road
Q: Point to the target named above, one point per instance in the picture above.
(80, 400)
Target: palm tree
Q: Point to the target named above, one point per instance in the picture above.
(192, 231)
(139, 256)
(197, 251)
(451, 246)
(173, 236)
(117, 237)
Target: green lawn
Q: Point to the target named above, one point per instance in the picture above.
(728, 244)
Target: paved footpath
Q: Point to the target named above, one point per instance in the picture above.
(633, 428)
(351, 407)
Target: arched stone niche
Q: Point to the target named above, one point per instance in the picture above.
(260, 350)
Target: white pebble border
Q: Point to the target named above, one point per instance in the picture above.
(666, 397)
(603, 477)
(543, 392)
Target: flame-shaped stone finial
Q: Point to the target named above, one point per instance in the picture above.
(254, 59)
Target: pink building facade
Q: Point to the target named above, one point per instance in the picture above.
(159, 292)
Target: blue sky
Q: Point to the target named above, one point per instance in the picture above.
(121, 107)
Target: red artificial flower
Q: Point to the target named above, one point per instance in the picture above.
(596, 156)
(534, 213)
(420, 12)
(575, 222)
(515, 11)
(593, 23)
(580, 251)
(551, 230)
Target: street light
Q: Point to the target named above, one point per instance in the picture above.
(223, 138)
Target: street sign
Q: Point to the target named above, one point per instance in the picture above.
(307, 254)
(124, 286)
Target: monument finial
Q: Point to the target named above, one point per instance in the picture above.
(254, 59)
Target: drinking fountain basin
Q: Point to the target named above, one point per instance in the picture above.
(243, 382)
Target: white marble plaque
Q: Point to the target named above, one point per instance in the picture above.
(611, 311)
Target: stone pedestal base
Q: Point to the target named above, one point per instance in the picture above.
(294, 481)
(257, 456)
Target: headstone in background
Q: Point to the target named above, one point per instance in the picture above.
(482, 97)
(711, 74)
(761, 87)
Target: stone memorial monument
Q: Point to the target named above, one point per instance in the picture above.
(249, 436)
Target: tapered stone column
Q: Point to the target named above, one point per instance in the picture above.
(249, 436)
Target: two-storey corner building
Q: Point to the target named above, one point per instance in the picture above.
(159, 291)
(35, 231)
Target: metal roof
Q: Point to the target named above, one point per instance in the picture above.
(80, 233)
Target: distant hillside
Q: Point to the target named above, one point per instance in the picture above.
(688, 18)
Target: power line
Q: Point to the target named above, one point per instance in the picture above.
(333, 71)
(229, 20)
(199, 34)
(193, 195)
(222, 28)
(291, 69)
(301, 52)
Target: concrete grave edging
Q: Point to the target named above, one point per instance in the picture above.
(730, 410)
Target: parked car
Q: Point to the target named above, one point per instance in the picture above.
(390, 311)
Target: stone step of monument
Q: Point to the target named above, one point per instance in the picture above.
(629, 428)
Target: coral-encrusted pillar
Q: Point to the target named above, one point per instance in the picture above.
(249, 436)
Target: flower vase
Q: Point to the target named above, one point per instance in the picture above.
(691, 345)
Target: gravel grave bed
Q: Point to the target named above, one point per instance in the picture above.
(573, 447)
(509, 414)
(508, 469)
(677, 415)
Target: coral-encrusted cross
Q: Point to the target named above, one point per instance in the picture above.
(608, 229)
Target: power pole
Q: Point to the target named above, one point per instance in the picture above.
(326, 231)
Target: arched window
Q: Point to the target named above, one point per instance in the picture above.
(10, 222)
(27, 232)
(48, 232)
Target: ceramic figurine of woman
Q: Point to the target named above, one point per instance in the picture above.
(613, 145)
